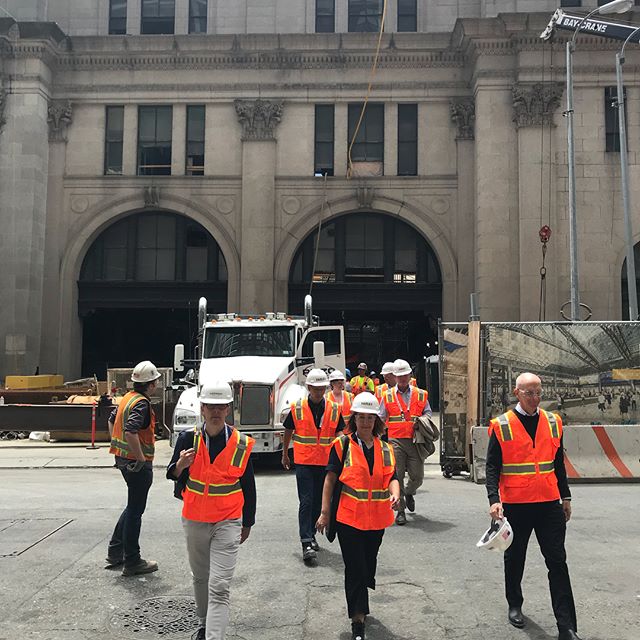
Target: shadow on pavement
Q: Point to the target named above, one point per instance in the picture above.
(536, 632)
(428, 525)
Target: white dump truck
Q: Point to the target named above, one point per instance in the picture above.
(265, 358)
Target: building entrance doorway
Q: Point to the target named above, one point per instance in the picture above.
(139, 287)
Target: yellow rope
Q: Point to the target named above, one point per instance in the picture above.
(374, 68)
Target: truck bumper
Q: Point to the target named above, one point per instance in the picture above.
(266, 441)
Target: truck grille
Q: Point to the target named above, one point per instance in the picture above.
(255, 406)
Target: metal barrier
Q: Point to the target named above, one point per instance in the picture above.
(52, 417)
(592, 452)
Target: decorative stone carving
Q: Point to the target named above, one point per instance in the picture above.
(225, 205)
(259, 118)
(59, 117)
(535, 104)
(365, 197)
(3, 105)
(463, 114)
(79, 204)
(151, 196)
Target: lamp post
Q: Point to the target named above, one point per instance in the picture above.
(624, 172)
(616, 6)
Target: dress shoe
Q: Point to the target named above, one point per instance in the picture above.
(357, 631)
(515, 617)
(401, 519)
(308, 552)
(568, 634)
(142, 566)
(314, 545)
(113, 563)
(411, 503)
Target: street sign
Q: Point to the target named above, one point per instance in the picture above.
(594, 26)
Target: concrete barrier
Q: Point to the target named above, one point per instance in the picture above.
(592, 452)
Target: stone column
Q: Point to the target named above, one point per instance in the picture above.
(60, 114)
(259, 119)
(497, 251)
(24, 160)
(533, 108)
(463, 114)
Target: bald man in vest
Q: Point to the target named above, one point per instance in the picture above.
(527, 483)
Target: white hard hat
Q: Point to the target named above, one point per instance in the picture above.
(317, 378)
(401, 368)
(145, 371)
(498, 537)
(218, 392)
(365, 403)
(362, 365)
(387, 367)
(336, 374)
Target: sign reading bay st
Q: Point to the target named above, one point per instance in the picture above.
(596, 26)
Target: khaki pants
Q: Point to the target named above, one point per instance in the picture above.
(213, 551)
(407, 461)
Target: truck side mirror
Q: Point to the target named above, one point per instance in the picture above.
(178, 358)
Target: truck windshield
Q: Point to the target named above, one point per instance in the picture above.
(227, 342)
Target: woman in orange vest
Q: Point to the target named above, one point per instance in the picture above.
(132, 428)
(338, 394)
(214, 478)
(370, 492)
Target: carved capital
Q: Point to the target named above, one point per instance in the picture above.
(151, 196)
(259, 118)
(463, 114)
(365, 196)
(59, 117)
(535, 104)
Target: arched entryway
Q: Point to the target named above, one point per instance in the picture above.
(380, 278)
(139, 286)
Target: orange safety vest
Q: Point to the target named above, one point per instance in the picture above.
(413, 382)
(400, 418)
(527, 473)
(360, 384)
(310, 444)
(347, 399)
(364, 501)
(213, 492)
(147, 436)
(380, 389)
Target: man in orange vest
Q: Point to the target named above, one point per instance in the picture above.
(389, 380)
(339, 395)
(401, 406)
(362, 382)
(132, 428)
(312, 424)
(214, 478)
(527, 483)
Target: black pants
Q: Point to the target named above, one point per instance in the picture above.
(547, 519)
(360, 554)
(310, 480)
(125, 539)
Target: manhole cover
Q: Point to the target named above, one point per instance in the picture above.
(170, 617)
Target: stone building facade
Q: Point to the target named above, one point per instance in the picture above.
(469, 157)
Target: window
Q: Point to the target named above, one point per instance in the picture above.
(407, 15)
(325, 16)
(365, 15)
(197, 16)
(114, 133)
(364, 248)
(158, 16)
(330, 337)
(156, 249)
(117, 17)
(154, 141)
(195, 140)
(611, 121)
(324, 136)
(229, 342)
(369, 142)
(407, 139)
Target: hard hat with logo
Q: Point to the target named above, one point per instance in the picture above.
(362, 365)
(145, 371)
(217, 392)
(365, 403)
(387, 367)
(317, 378)
(336, 374)
(401, 368)
(498, 537)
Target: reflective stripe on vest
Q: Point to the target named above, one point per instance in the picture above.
(553, 425)
(505, 428)
(146, 436)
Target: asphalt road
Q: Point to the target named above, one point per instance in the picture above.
(432, 581)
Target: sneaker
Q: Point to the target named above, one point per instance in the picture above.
(314, 545)
(200, 634)
(308, 552)
(357, 631)
(401, 519)
(411, 503)
(142, 566)
(113, 563)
